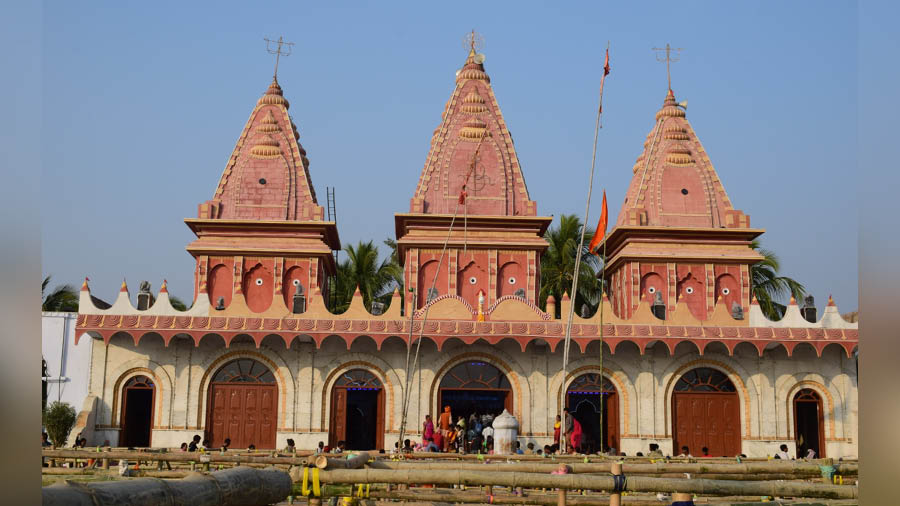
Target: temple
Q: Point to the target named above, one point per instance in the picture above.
(678, 354)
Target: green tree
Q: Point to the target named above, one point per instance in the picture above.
(768, 287)
(59, 420)
(375, 278)
(63, 298)
(558, 265)
(177, 303)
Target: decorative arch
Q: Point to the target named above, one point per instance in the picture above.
(827, 406)
(210, 369)
(259, 288)
(511, 376)
(220, 282)
(118, 391)
(740, 386)
(343, 367)
(511, 278)
(617, 378)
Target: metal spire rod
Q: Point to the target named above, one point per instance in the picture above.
(288, 49)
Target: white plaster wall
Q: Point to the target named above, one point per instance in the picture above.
(68, 365)
(305, 376)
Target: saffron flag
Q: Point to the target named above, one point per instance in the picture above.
(600, 233)
(606, 63)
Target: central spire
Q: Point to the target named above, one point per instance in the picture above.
(472, 147)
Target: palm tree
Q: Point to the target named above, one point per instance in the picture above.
(558, 265)
(375, 279)
(768, 287)
(177, 303)
(63, 298)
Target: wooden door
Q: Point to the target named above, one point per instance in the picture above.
(246, 414)
(710, 419)
(611, 423)
(338, 423)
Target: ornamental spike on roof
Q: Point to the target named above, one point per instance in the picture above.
(473, 147)
(674, 182)
(267, 176)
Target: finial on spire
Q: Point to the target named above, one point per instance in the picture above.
(84, 286)
(164, 287)
(124, 287)
(278, 51)
(669, 59)
(473, 41)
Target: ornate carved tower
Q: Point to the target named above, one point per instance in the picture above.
(262, 237)
(496, 239)
(678, 239)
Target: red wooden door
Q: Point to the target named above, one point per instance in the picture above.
(246, 414)
(338, 424)
(710, 419)
(611, 423)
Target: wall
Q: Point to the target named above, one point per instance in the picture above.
(68, 366)
(305, 376)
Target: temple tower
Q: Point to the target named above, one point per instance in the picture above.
(472, 178)
(262, 238)
(678, 239)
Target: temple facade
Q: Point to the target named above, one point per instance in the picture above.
(678, 354)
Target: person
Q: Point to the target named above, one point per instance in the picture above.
(226, 444)
(453, 439)
(487, 431)
(251, 447)
(810, 454)
(519, 450)
(184, 447)
(438, 439)
(654, 451)
(430, 446)
(568, 425)
(427, 428)
(685, 452)
(539, 452)
(489, 445)
(557, 427)
(407, 446)
(321, 448)
(290, 448)
(562, 469)
(529, 449)
(461, 433)
(339, 448)
(548, 450)
(705, 451)
(445, 421)
(205, 445)
(575, 437)
(45, 441)
(783, 453)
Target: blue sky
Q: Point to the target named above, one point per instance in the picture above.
(142, 104)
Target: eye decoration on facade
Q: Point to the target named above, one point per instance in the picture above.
(511, 280)
(652, 289)
(689, 290)
(725, 291)
(473, 280)
(296, 282)
(259, 281)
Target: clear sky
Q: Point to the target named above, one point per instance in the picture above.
(142, 105)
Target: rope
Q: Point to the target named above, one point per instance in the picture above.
(619, 482)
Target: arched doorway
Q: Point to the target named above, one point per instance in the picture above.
(357, 411)
(594, 402)
(243, 405)
(474, 387)
(706, 412)
(137, 412)
(809, 423)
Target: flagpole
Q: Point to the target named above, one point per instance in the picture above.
(587, 209)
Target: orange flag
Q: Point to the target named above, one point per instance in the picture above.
(600, 233)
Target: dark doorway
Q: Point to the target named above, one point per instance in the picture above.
(137, 412)
(357, 411)
(809, 423)
(243, 405)
(594, 402)
(706, 412)
(464, 403)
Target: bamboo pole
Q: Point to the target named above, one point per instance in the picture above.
(615, 498)
(595, 458)
(355, 462)
(771, 467)
(238, 486)
(577, 482)
(178, 457)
